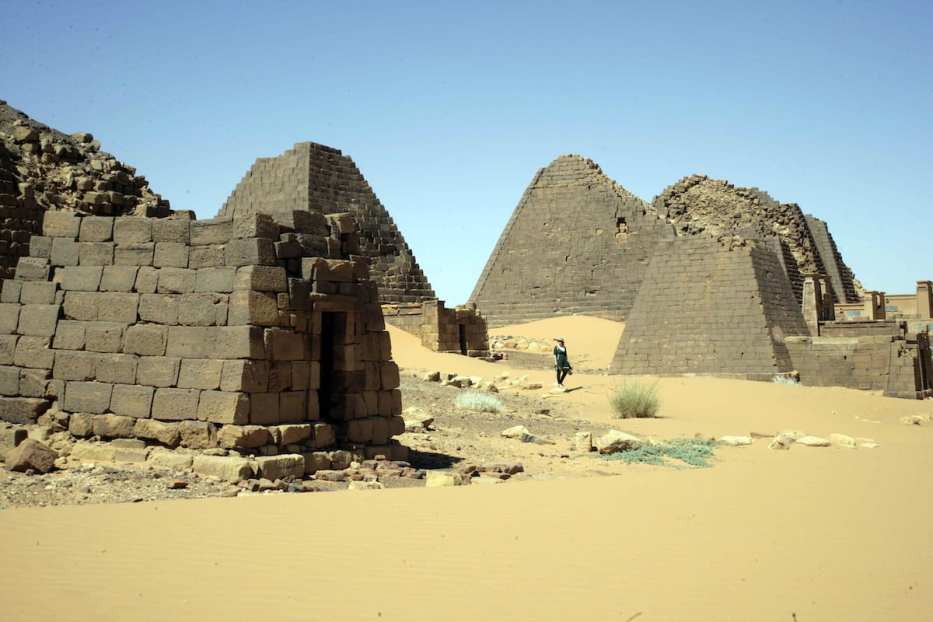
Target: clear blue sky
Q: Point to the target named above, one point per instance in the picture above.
(449, 108)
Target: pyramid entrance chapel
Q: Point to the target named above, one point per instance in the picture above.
(709, 278)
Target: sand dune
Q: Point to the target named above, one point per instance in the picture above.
(590, 340)
(806, 534)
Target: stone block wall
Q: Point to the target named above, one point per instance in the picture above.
(243, 333)
(461, 330)
(320, 179)
(577, 243)
(708, 308)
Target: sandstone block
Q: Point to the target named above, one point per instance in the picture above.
(85, 452)
(176, 281)
(175, 404)
(170, 255)
(215, 280)
(202, 309)
(243, 437)
(261, 278)
(295, 434)
(33, 352)
(255, 226)
(38, 320)
(117, 307)
(9, 381)
(32, 269)
(166, 459)
(145, 339)
(200, 374)
(81, 278)
(205, 257)
(95, 253)
(31, 454)
(157, 371)
(65, 252)
(60, 224)
(285, 345)
(615, 441)
(40, 246)
(170, 230)
(227, 342)
(87, 397)
(116, 368)
(249, 307)
(22, 410)
(103, 336)
(324, 435)
(118, 278)
(244, 375)
(134, 254)
(389, 376)
(316, 461)
(224, 407)
(293, 406)
(159, 308)
(36, 292)
(74, 366)
(129, 450)
(152, 430)
(132, 230)
(300, 375)
(96, 229)
(7, 348)
(81, 425)
(113, 426)
(9, 318)
(132, 400)
(11, 290)
(250, 252)
(147, 280)
(196, 434)
(226, 468)
(281, 467)
(211, 232)
(264, 408)
(69, 335)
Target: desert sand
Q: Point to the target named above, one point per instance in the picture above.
(590, 340)
(805, 534)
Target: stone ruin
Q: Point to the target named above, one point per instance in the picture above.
(220, 333)
(317, 178)
(709, 278)
(42, 168)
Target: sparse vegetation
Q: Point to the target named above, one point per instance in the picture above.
(785, 379)
(695, 452)
(480, 402)
(635, 400)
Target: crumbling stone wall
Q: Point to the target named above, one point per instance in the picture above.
(576, 243)
(461, 330)
(224, 332)
(867, 355)
(320, 179)
(711, 307)
(43, 169)
(841, 277)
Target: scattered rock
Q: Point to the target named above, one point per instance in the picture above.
(916, 419)
(441, 479)
(867, 443)
(841, 440)
(615, 441)
(735, 441)
(31, 455)
(434, 376)
(583, 442)
(519, 432)
(178, 484)
(781, 441)
(813, 441)
(365, 485)
(416, 419)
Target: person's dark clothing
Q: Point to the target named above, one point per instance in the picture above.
(562, 363)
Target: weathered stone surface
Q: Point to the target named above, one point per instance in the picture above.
(64, 252)
(223, 407)
(146, 339)
(96, 229)
(245, 437)
(202, 309)
(170, 254)
(170, 230)
(196, 434)
(113, 426)
(227, 468)
(245, 375)
(85, 452)
(813, 441)
(130, 230)
(134, 254)
(170, 459)
(88, 397)
(281, 467)
(60, 224)
(118, 278)
(293, 434)
(95, 254)
(116, 368)
(159, 308)
(81, 425)
(36, 292)
(842, 440)
(261, 278)
(158, 371)
(33, 352)
(200, 373)
(165, 433)
(132, 400)
(443, 479)
(31, 454)
(735, 441)
(38, 320)
(615, 441)
(215, 280)
(176, 281)
(175, 404)
(250, 307)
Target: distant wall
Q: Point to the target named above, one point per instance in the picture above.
(440, 328)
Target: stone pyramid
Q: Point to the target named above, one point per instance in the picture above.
(316, 178)
(576, 243)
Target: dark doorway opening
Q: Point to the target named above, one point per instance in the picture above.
(463, 339)
(331, 331)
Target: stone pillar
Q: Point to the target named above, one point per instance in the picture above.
(874, 306)
(924, 300)
(812, 303)
(828, 310)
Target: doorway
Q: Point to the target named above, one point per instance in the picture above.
(332, 328)
(463, 338)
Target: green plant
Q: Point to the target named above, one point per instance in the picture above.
(695, 452)
(785, 379)
(634, 399)
(480, 402)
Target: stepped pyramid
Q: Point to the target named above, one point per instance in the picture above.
(316, 178)
(576, 243)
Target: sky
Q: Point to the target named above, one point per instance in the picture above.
(449, 108)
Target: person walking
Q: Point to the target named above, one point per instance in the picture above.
(561, 362)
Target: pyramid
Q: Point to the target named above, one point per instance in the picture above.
(711, 306)
(317, 178)
(577, 243)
